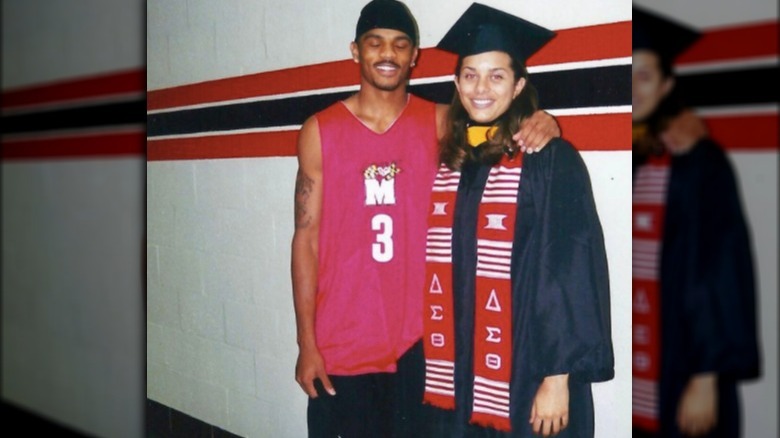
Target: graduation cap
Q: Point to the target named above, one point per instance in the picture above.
(484, 29)
(660, 35)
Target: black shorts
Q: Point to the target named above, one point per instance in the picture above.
(372, 405)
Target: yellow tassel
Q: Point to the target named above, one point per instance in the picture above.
(476, 135)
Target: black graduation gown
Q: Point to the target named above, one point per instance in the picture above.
(708, 305)
(560, 292)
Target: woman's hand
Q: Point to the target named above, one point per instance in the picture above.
(550, 410)
(697, 412)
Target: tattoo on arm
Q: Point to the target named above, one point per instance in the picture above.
(303, 188)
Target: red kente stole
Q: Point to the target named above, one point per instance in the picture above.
(649, 197)
(493, 312)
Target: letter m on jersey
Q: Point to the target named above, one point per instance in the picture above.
(380, 184)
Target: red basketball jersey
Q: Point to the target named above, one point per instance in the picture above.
(376, 191)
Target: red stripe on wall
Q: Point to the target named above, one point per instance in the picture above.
(745, 132)
(578, 44)
(746, 41)
(598, 132)
(331, 74)
(586, 43)
(94, 146)
(603, 132)
(258, 144)
(569, 45)
(133, 81)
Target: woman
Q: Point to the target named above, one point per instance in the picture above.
(517, 299)
(694, 318)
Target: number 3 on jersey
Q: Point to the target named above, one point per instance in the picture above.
(382, 249)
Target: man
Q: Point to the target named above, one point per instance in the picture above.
(694, 323)
(366, 167)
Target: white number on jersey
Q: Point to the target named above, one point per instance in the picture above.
(382, 249)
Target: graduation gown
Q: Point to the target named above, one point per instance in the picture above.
(708, 306)
(560, 292)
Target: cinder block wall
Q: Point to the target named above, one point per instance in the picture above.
(220, 332)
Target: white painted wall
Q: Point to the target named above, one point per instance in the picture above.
(220, 328)
(72, 234)
(192, 41)
(46, 40)
(610, 175)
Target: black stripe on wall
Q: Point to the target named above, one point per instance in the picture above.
(93, 116)
(752, 86)
(601, 86)
(280, 112)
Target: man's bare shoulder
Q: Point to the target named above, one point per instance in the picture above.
(310, 124)
(309, 138)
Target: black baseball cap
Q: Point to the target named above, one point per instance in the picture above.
(386, 14)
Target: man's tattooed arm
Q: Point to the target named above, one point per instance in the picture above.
(303, 189)
(308, 204)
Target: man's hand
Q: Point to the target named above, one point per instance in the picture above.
(536, 131)
(550, 410)
(683, 132)
(309, 367)
(697, 412)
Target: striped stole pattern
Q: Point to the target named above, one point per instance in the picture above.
(492, 315)
(649, 196)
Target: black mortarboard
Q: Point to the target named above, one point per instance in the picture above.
(661, 35)
(386, 14)
(483, 29)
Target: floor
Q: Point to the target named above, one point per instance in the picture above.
(27, 423)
